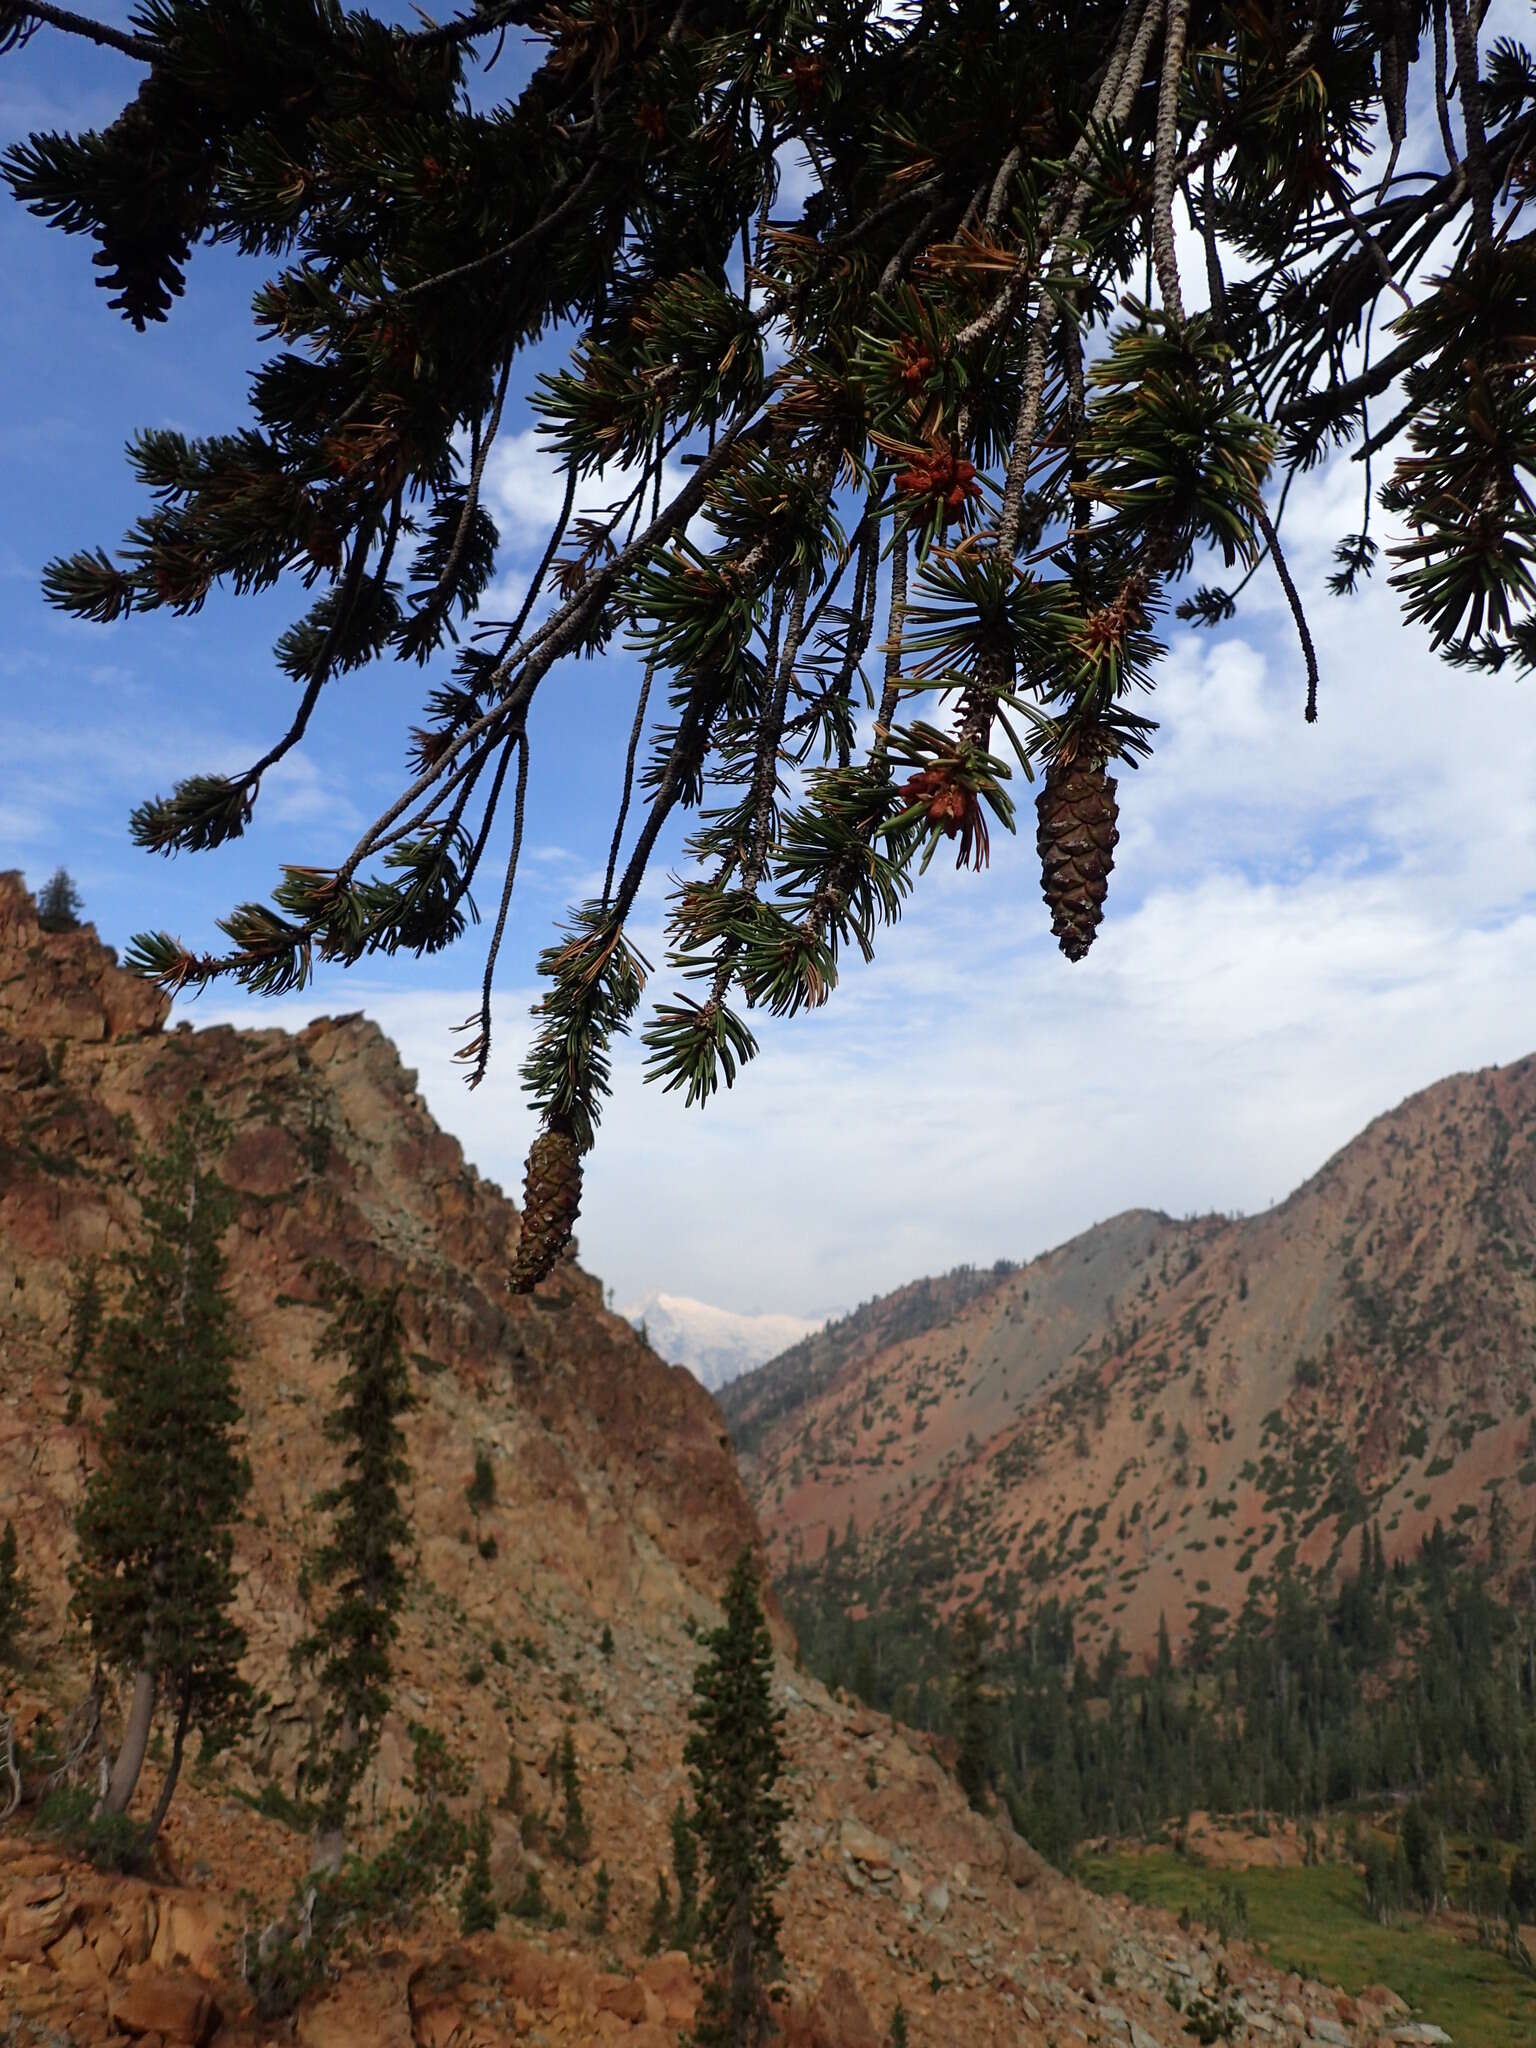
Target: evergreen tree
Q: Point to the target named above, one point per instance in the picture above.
(1415, 1685)
(86, 1308)
(15, 1596)
(660, 1925)
(1498, 1532)
(602, 1899)
(58, 903)
(477, 1901)
(364, 1556)
(155, 1576)
(1164, 1652)
(481, 1491)
(1423, 1856)
(735, 1761)
(511, 1800)
(575, 1839)
(978, 324)
(898, 2034)
(973, 1707)
(685, 1872)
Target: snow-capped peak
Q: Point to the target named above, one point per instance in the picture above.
(716, 1344)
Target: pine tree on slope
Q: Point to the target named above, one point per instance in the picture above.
(735, 1760)
(155, 1577)
(575, 1837)
(15, 1595)
(685, 1869)
(363, 1558)
(477, 1900)
(972, 1708)
(58, 903)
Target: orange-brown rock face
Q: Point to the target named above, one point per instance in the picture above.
(616, 1501)
(612, 1466)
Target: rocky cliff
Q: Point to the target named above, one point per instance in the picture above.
(616, 1501)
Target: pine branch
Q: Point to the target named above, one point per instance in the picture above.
(16, 15)
(1163, 159)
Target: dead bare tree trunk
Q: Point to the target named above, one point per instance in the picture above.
(8, 1767)
(173, 1769)
(135, 1742)
(330, 1848)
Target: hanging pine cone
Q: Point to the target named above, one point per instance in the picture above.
(1076, 840)
(551, 1199)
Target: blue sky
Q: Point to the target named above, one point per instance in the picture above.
(1303, 924)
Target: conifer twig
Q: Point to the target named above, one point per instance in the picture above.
(15, 14)
(1298, 613)
(482, 1045)
(1163, 154)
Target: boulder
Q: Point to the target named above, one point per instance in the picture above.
(1383, 1998)
(839, 2018)
(180, 2010)
(1025, 1866)
(625, 1997)
(108, 1945)
(865, 1846)
(37, 1913)
(187, 1936)
(670, 1977)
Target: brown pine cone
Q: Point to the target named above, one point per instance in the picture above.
(1076, 840)
(551, 1200)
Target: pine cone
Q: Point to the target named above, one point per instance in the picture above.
(1076, 839)
(551, 1199)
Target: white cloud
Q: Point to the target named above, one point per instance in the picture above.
(296, 792)
(525, 489)
(1304, 925)
(22, 824)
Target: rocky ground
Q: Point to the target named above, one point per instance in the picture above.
(616, 1502)
(896, 1891)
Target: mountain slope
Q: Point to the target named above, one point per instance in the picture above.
(1160, 1415)
(616, 1501)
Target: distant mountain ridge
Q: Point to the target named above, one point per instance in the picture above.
(1162, 1415)
(717, 1345)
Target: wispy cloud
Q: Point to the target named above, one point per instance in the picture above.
(1304, 924)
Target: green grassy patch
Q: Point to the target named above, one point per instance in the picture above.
(1314, 1922)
